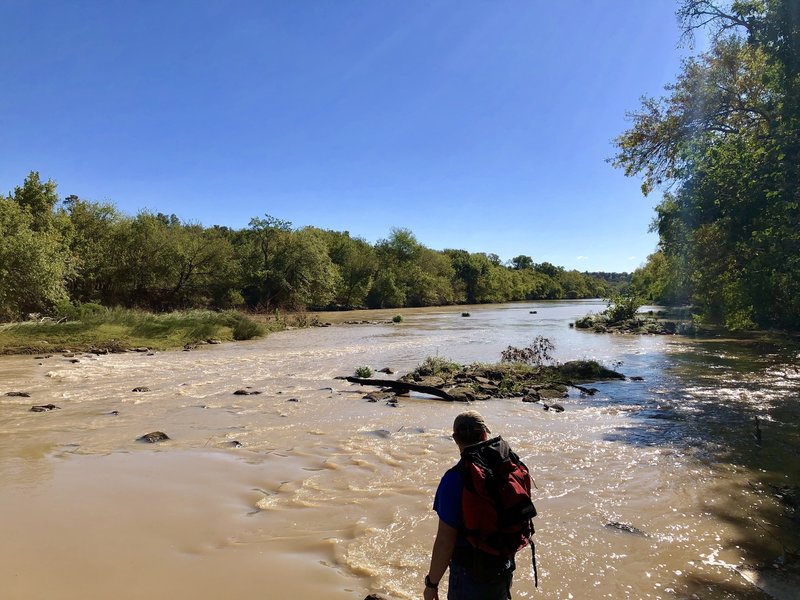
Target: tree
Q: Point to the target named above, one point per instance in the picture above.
(33, 267)
(256, 247)
(38, 199)
(92, 249)
(357, 265)
(521, 262)
(205, 272)
(302, 273)
(725, 145)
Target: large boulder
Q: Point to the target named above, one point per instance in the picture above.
(462, 393)
(587, 370)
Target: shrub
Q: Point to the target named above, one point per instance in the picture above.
(436, 365)
(244, 328)
(536, 354)
(622, 307)
(79, 311)
(397, 319)
(587, 370)
(364, 372)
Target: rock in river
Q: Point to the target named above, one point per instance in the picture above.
(153, 437)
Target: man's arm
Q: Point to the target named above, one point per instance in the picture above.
(440, 557)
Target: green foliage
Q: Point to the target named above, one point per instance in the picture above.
(79, 311)
(364, 372)
(242, 327)
(58, 258)
(536, 354)
(726, 143)
(586, 370)
(622, 307)
(34, 266)
(397, 319)
(119, 328)
(356, 263)
(521, 262)
(660, 280)
(436, 365)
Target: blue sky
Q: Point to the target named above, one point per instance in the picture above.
(477, 124)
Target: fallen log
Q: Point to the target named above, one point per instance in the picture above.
(586, 390)
(402, 386)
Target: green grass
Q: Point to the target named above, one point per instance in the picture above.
(118, 329)
(435, 365)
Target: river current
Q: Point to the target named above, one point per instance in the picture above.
(652, 488)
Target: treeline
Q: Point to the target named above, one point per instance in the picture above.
(725, 145)
(56, 255)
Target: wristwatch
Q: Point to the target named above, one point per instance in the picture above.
(430, 584)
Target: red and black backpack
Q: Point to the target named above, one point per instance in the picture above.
(496, 505)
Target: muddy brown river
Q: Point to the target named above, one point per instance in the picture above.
(650, 489)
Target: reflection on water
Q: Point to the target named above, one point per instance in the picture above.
(329, 495)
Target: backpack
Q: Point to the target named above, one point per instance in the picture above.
(496, 505)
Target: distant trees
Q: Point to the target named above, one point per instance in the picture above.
(725, 145)
(57, 254)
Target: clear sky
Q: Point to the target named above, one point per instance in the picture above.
(477, 124)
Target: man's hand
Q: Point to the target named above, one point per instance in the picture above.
(440, 557)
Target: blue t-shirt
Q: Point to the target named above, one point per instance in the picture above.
(447, 502)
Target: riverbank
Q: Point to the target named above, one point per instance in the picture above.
(120, 330)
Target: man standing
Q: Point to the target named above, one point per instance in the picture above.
(481, 524)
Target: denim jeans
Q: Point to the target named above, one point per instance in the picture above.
(463, 587)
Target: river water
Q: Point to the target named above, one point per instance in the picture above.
(329, 496)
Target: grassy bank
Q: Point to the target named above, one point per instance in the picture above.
(120, 329)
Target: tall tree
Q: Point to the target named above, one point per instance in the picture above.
(724, 144)
(33, 265)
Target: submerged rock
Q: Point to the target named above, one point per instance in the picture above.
(379, 395)
(142, 388)
(554, 407)
(246, 393)
(19, 394)
(624, 527)
(153, 437)
(532, 396)
(44, 407)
